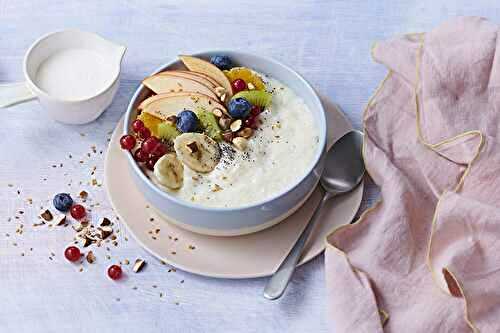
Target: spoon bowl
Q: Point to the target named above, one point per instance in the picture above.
(344, 167)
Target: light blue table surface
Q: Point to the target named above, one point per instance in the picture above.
(326, 41)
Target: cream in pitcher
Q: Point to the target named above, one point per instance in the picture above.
(74, 75)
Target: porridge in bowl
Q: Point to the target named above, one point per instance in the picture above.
(222, 136)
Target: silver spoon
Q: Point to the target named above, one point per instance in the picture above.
(344, 169)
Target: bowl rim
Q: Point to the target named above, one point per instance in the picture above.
(322, 129)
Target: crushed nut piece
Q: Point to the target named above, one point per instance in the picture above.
(240, 143)
(60, 219)
(90, 257)
(224, 123)
(246, 132)
(104, 232)
(83, 195)
(103, 222)
(250, 86)
(172, 119)
(139, 265)
(236, 125)
(86, 241)
(216, 188)
(217, 112)
(219, 91)
(46, 215)
(228, 136)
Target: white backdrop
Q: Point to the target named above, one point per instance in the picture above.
(327, 41)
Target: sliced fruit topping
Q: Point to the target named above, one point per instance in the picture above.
(149, 121)
(169, 171)
(222, 62)
(239, 108)
(201, 66)
(256, 97)
(247, 75)
(239, 85)
(167, 131)
(187, 121)
(203, 78)
(166, 83)
(164, 106)
(209, 123)
(197, 151)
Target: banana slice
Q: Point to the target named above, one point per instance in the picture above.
(197, 151)
(169, 171)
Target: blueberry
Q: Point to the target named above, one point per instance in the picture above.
(223, 62)
(187, 121)
(239, 108)
(62, 202)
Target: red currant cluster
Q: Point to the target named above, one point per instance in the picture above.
(151, 148)
(252, 121)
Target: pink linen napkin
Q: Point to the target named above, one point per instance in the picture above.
(426, 258)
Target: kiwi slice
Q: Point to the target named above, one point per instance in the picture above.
(256, 97)
(209, 124)
(167, 131)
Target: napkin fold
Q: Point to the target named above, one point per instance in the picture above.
(426, 257)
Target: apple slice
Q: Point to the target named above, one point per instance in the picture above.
(170, 104)
(209, 82)
(201, 76)
(165, 83)
(204, 67)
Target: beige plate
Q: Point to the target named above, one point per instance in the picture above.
(238, 257)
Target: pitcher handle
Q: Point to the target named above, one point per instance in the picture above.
(14, 93)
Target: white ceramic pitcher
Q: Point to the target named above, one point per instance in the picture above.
(70, 111)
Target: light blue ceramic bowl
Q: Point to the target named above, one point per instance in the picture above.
(244, 219)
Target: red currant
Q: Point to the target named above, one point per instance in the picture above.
(78, 212)
(144, 133)
(127, 142)
(160, 150)
(72, 253)
(255, 110)
(149, 145)
(251, 122)
(137, 125)
(239, 85)
(150, 164)
(140, 155)
(114, 272)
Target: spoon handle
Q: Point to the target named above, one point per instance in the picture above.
(279, 280)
